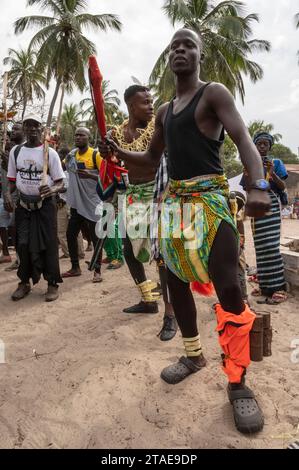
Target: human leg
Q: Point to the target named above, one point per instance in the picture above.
(62, 226)
(235, 321)
(116, 249)
(170, 327)
(4, 223)
(5, 258)
(148, 303)
(95, 240)
(74, 227)
(22, 242)
(86, 235)
(185, 312)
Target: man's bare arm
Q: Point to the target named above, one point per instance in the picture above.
(8, 202)
(224, 106)
(152, 156)
(47, 191)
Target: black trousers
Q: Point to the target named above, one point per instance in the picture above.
(37, 243)
(76, 223)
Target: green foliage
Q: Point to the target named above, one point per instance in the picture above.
(62, 49)
(284, 153)
(25, 79)
(257, 126)
(229, 153)
(70, 120)
(112, 112)
(227, 44)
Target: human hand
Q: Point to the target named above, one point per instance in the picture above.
(45, 191)
(258, 203)
(86, 174)
(105, 149)
(8, 203)
(113, 145)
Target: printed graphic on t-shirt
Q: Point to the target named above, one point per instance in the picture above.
(30, 171)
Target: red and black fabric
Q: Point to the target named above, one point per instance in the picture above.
(111, 176)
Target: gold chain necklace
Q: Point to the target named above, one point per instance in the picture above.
(141, 143)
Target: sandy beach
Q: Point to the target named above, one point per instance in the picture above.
(81, 374)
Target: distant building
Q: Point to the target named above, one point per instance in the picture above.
(293, 182)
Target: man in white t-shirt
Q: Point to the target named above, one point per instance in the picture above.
(36, 218)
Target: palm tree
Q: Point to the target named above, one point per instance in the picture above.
(62, 49)
(70, 120)
(111, 104)
(226, 34)
(260, 126)
(24, 78)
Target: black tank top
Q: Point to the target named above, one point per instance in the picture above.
(190, 153)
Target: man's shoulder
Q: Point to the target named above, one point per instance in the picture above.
(13, 149)
(217, 95)
(216, 88)
(93, 152)
(53, 153)
(163, 107)
(162, 111)
(16, 150)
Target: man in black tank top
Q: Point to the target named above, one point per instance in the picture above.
(191, 128)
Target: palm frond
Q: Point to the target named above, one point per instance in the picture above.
(102, 22)
(226, 30)
(32, 21)
(226, 8)
(176, 10)
(54, 6)
(259, 45)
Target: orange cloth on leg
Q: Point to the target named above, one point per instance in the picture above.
(234, 339)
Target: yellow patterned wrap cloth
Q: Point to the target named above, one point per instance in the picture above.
(192, 211)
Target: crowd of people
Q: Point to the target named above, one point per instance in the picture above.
(173, 161)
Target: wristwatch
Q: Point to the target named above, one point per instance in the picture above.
(261, 185)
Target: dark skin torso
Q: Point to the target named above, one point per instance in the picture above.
(138, 175)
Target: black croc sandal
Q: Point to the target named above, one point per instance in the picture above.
(176, 373)
(247, 413)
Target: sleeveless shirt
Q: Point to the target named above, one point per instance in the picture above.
(190, 153)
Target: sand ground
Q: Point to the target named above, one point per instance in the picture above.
(95, 381)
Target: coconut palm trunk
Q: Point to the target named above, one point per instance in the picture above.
(24, 106)
(58, 125)
(53, 102)
(62, 48)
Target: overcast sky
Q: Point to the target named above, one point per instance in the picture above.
(147, 31)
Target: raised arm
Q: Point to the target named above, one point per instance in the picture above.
(223, 104)
(152, 156)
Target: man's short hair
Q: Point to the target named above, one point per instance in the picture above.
(83, 129)
(196, 32)
(132, 90)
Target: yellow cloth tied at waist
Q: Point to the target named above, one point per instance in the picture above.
(192, 211)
